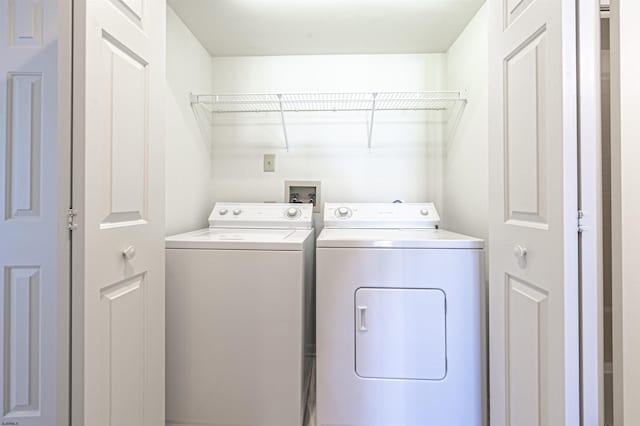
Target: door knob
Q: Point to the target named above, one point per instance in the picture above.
(519, 251)
(129, 253)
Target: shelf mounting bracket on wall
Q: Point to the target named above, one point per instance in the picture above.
(373, 113)
(284, 124)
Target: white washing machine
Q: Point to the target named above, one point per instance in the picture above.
(398, 319)
(239, 298)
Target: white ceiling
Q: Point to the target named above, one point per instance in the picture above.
(298, 27)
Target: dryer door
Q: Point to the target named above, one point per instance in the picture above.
(400, 333)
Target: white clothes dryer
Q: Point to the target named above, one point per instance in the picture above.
(239, 315)
(398, 319)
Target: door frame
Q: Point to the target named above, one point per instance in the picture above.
(590, 204)
(625, 208)
(77, 240)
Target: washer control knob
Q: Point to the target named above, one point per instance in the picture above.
(222, 212)
(293, 212)
(344, 211)
(236, 212)
(424, 212)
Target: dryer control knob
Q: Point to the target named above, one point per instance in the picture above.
(344, 211)
(293, 212)
(424, 212)
(222, 212)
(236, 212)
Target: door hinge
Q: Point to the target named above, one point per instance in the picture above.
(581, 225)
(71, 224)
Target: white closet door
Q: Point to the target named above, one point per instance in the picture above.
(34, 198)
(534, 304)
(119, 193)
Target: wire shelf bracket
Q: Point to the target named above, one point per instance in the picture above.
(373, 114)
(284, 124)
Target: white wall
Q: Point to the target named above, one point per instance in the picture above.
(219, 158)
(466, 154)
(188, 154)
(466, 169)
(330, 147)
(466, 160)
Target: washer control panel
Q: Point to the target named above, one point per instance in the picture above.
(261, 215)
(381, 215)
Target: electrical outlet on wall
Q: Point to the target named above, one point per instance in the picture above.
(269, 163)
(303, 191)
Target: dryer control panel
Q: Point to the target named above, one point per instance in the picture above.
(381, 215)
(261, 215)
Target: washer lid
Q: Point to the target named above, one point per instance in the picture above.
(261, 215)
(380, 215)
(396, 238)
(240, 239)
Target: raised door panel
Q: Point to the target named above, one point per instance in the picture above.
(124, 314)
(526, 331)
(513, 9)
(126, 127)
(525, 136)
(20, 307)
(23, 146)
(136, 11)
(24, 23)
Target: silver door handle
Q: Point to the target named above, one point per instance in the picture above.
(362, 318)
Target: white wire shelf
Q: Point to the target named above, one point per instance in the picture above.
(330, 102)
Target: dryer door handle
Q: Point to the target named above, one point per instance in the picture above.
(362, 318)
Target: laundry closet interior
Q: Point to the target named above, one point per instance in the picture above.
(375, 103)
(322, 51)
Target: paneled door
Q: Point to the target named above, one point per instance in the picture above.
(118, 189)
(35, 99)
(534, 298)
